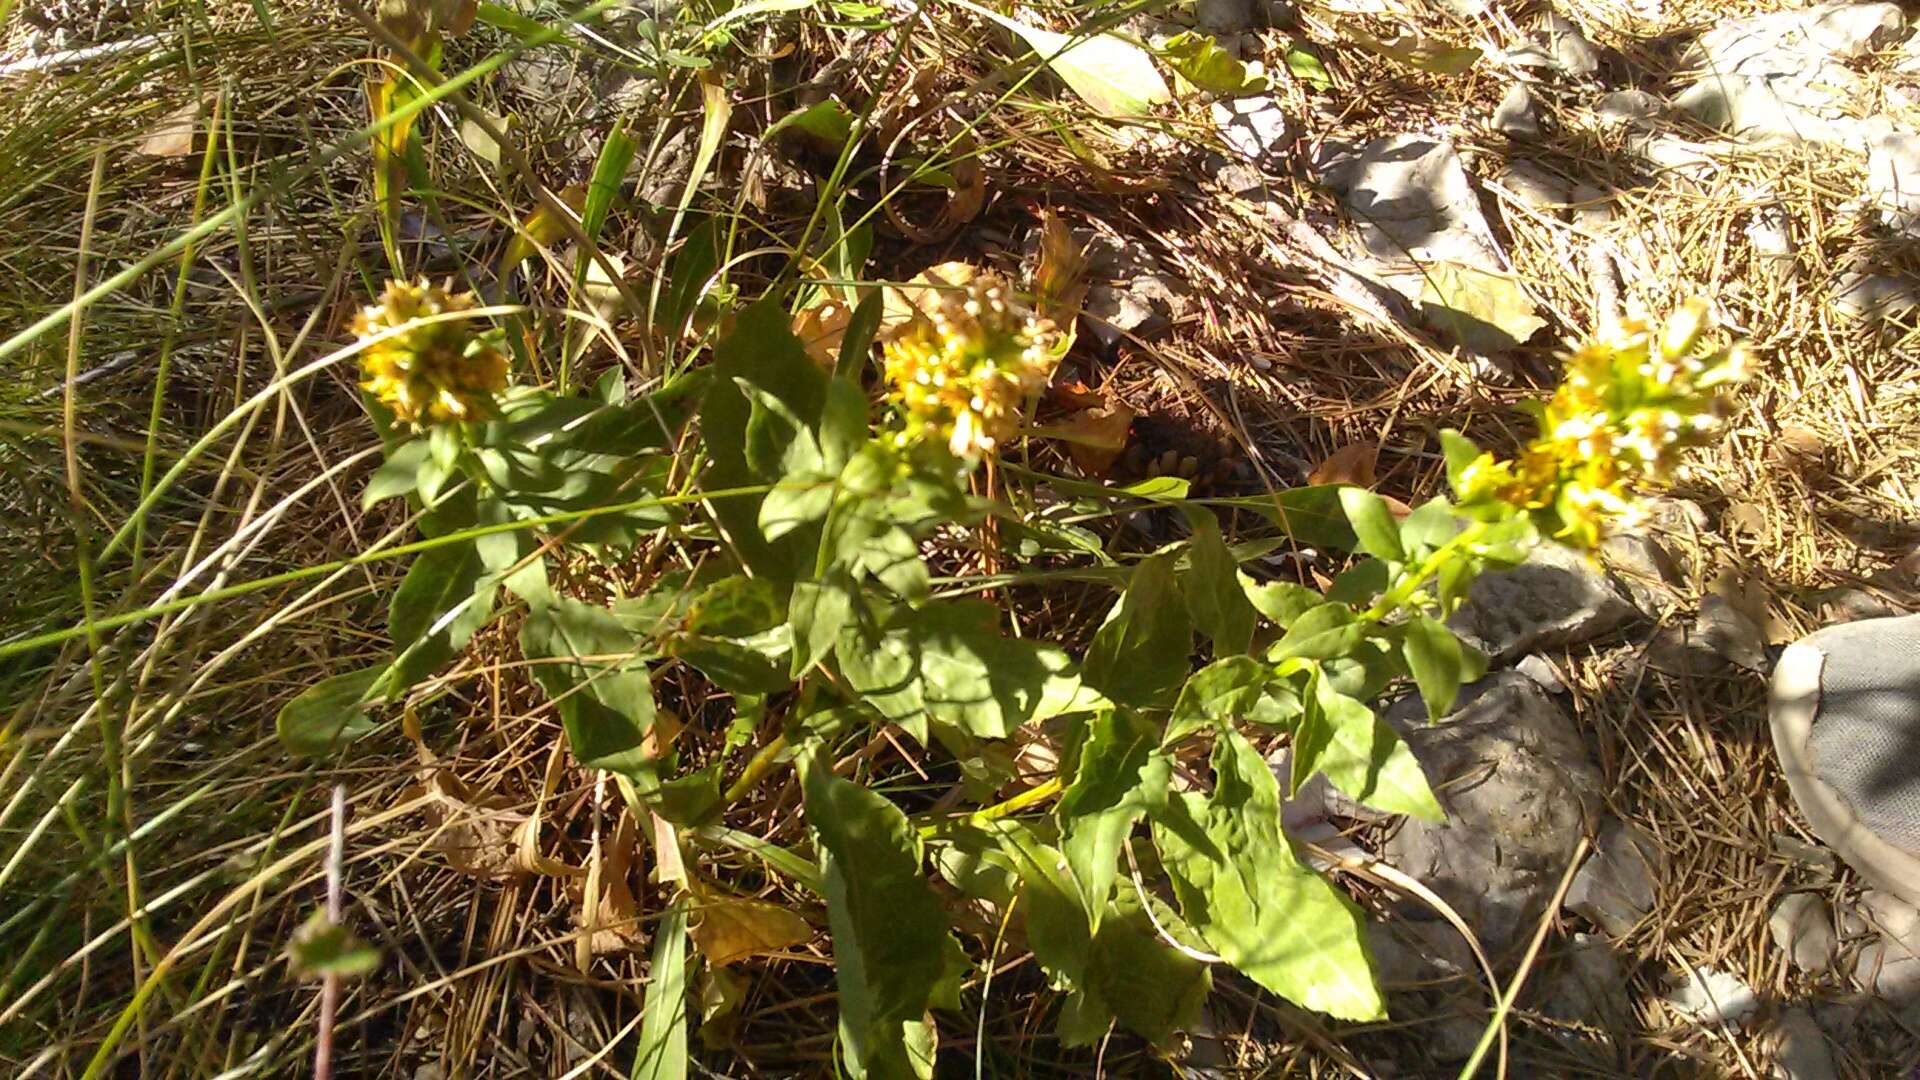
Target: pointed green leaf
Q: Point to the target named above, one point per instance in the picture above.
(331, 713)
(398, 475)
(1218, 606)
(1114, 76)
(1327, 631)
(1217, 695)
(817, 612)
(1119, 778)
(1434, 656)
(893, 957)
(1363, 757)
(585, 660)
(444, 598)
(1280, 601)
(1241, 886)
(1139, 656)
(1372, 523)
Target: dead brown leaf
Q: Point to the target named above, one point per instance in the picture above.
(1094, 436)
(732, 929)
(172, 136)
(921, 297)
(1352, 464)
(821, 329)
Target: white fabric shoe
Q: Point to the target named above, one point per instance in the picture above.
(1846, 721)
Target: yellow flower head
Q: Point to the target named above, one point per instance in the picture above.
(428, 372)
(964, 370)
(1628, 405)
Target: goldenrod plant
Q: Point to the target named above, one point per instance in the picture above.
(813, 607)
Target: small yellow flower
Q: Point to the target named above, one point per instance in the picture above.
(1626, 407)
(964, 370)
(428, 372)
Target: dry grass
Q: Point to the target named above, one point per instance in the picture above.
(511, 890)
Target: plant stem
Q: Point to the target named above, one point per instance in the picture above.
(1005, 808)
(1397, 597)
(757, 768)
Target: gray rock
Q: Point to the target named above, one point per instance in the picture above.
(1411, 197)
(1541, 670)
(1142, 306)
(1863, 297)
(1706, 996)
(1554, 598)
(1769, 232)
(1652, 560)
(1802, 927)
(1412, 952)
(1224, 16)
(1787, 74)
(1623, 108)
(1588, 987)
(1254, 126)
(1800, 1049)
(1517, 117)
(1519, 791)
(1893, 180)
(1620, 881)
(1572, 53)
(1536, 187)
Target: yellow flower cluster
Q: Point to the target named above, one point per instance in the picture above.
(428, 372)
(963, 370)
(1628, 404)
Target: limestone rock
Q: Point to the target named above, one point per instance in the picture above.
(1519, 791)
(1706, 996)
(1517, 117)
(1554, 598)
(1254, 126)
(1412, 197)
(1863, 297)
(1893, 180)
(1572, 53)
(1627, 108)
(1800, 1049)
(1802, 926)
(1536, 187)
(1788, 75)
(1588, 987)
(1224, 16)
(1618, 884)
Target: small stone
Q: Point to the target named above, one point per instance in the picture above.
(1893, 180)
(1554, 598)
(1622, 108)
(1802, 927)
(1651, 561)
(1731, 633)
(1852, 605)
(1619, 883)
(1706, 996)
(1224, 16)
(1536, 187)
(1541, 670)
(1500, 853)
(1768, 233)
(1862, 297)
(1589, 988)
(1572, 53)
(1516, 116)
(1254, 126)
(1800, 1049)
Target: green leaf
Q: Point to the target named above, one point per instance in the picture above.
(828, 123)
(1202, 62)
(1216, 695)
(1482, 310)
(817, 612)
(1307, 515)
(1360, 583)
(856, 344)
(398, 475)
(1459, 452)
(1306, 67)
(1139, 656)
(1416, 48)
(1120, 971)
(322, 947)
(1280, 601)
(1215, 601)
(1434, 656)
(444, 598)
(1114, 76)
(1372, 524)
(949, 661)
(1120, 777)
(1430, 526)
(662, 1054)
(331, 713)
(1325, 632)
(1362, 756)
(1241, 886)
(604, 697)
(893, 957)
